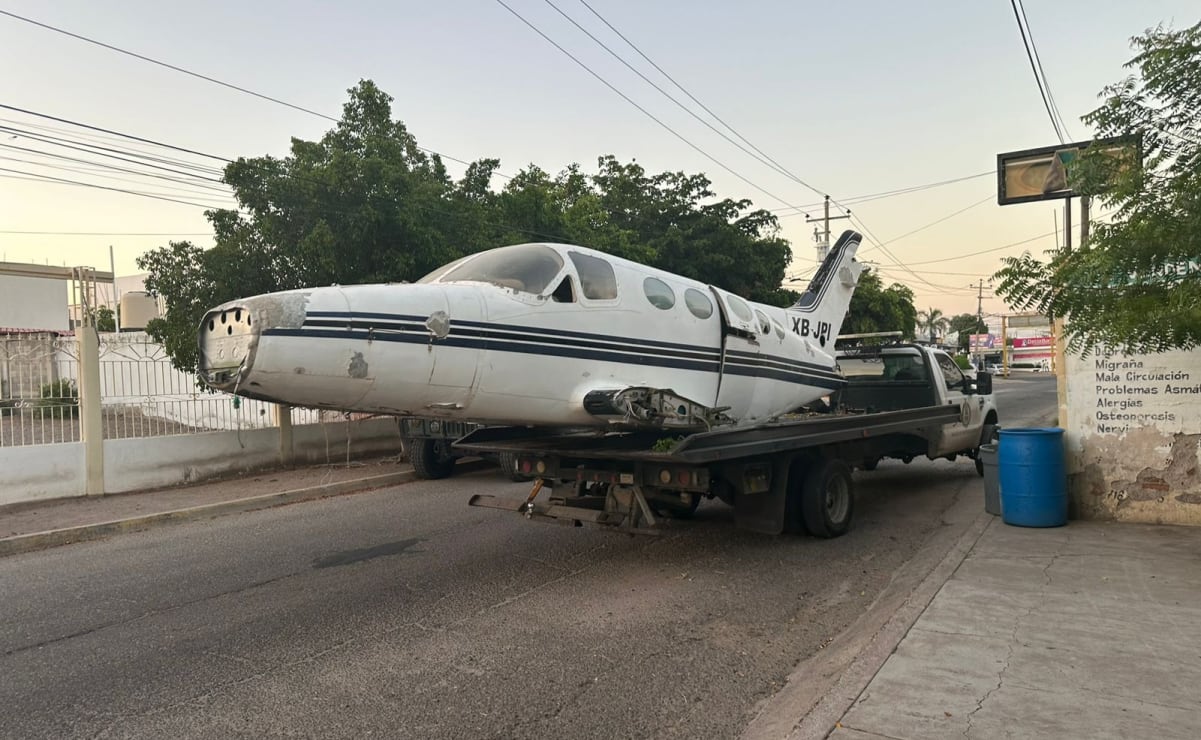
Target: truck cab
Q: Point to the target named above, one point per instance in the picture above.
(894, 377)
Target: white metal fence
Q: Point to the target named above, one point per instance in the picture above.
(38, 395)
(142, 395)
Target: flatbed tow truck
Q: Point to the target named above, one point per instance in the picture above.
(792, 474)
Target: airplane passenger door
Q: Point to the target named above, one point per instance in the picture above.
(740, 359)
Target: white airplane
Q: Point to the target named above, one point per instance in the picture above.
(537, 335)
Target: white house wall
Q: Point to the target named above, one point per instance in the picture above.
(33, 303)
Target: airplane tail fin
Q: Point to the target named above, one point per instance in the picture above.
(819, 313)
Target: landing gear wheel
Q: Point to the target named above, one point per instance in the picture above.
(508, 464)
(431, 458)
(827, 500)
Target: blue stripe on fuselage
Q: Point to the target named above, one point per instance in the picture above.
(560, 343)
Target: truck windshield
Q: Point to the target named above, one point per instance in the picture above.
(528, 268)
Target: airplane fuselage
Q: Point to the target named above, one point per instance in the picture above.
(519, 335)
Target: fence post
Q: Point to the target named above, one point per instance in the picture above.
(283, 419)
(91, 422)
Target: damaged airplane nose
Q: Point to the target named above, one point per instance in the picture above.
(228, 336)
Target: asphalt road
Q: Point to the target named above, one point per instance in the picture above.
(404, 613)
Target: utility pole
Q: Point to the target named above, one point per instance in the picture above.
(979, 305)
(823, 247)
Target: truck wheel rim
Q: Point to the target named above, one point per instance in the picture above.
(837, 499)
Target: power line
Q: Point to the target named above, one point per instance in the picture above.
(859, 199)
(107, 233)
(206, 78)
(105, 130)
(758, 154)
(985, 251)
(102, 151)
(895, 239)
(1039, 62)
(1034, 68)
(33, 176)
(93, 171)
(134, 148)
(22, 175)
(644, 111)
(115, 168)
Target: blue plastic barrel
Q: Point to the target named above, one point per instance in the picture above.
(1034, 486)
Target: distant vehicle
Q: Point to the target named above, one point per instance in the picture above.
(994, 368)
(1030, 366)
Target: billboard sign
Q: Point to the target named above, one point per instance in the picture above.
(980, 342)
(1032, 342)
(1046, 173)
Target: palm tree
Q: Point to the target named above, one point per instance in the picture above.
(932, 320)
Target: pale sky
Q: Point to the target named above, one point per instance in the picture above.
(854, 98)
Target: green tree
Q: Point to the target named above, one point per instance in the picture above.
(103, 319)
(933, 323)
(875, 308)
(967, 324)
(365, 203)
(1130, 288)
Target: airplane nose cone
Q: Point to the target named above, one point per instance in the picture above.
(228, 337)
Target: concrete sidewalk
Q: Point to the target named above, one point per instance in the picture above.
(1092, 630)
(37, 525)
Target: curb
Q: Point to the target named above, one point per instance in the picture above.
(821, 690)
(56, 537)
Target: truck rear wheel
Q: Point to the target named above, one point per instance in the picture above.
(431, 459)
(827, 498)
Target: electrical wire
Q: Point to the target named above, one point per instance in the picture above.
(643, 110)
(1042, 73)
(895, 239)
(1034, 68)
(859, 199)
(758, 154)
(206, 78)
(23, 175)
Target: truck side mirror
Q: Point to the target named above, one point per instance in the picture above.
(984, 383)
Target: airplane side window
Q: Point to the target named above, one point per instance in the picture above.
(659, 293)
(740, 309)
(698, 303)
(597, 281)
(564, 293)
(764, 322)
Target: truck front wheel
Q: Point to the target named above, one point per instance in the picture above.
(827, 499)
(430, 458)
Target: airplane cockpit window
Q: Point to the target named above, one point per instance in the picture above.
(528, 268)
(659, 293)
(698, 303)
(764, 322)
(597, 281)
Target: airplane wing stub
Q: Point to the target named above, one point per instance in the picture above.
(654, 407)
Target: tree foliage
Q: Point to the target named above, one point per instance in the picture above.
(875, 308)
(365, 203)
(933, 323)
(967, 324)
(1135, 286)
